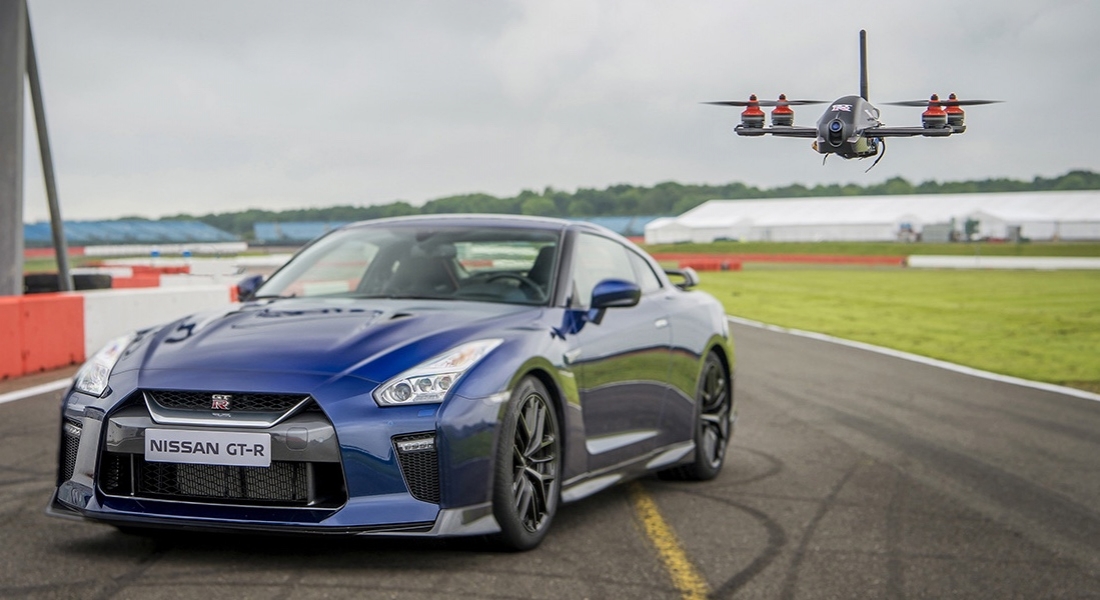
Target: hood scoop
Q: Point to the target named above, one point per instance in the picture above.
(273, 316)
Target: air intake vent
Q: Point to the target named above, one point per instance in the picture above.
(283, 482)
(70, 441)
(419, 464)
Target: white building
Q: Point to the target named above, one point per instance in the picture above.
(1038, 215)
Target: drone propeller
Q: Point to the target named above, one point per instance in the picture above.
(935, 100)
(752, 101)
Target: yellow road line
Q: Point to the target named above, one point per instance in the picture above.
(685, 576)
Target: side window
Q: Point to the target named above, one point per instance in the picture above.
(646, 278)
(596, 259)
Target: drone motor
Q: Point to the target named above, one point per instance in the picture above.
(956, 116)
(782, 114)
(934, 117)
(752, 117)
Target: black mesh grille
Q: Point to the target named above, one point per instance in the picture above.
(114, 472)
(420, 468)
(282, 482)
(70, 441)
(243, 402)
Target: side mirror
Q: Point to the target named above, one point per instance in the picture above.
(689, 278)
(612, 293)
(609, 293)
(246, 288)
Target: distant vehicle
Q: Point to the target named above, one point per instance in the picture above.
(420, 376)
(850, 127)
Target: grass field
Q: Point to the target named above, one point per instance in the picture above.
(885, 248)
(1041, 325)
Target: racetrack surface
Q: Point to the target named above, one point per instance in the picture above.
(852, 474)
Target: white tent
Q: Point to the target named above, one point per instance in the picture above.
(1039, 215)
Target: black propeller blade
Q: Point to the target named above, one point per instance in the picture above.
(943, 102)
(767, 103)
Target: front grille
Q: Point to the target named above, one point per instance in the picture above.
(243, 402)
(114, 472)
(70, 441)
(284, 483)
(420, 468)
(281, 482)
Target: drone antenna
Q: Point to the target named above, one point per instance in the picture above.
(863, 63)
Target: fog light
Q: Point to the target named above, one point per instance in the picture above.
(421, 445)
(71, 429)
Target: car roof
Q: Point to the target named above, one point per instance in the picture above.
(484, 220)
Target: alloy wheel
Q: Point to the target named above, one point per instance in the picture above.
(534, 462)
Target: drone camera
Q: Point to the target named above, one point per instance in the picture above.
(836, 133)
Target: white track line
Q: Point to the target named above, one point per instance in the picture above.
(61, 384)
(1038, 385)
(45, 388)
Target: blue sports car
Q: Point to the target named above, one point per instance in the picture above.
(437, 376)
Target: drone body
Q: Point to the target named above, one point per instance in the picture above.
(850, 126)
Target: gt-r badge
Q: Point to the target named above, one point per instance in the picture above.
(220, 401)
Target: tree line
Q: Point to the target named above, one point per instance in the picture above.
(668, 198)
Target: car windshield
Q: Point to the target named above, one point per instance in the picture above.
(492, 264)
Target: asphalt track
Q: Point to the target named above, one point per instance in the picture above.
(853, 475)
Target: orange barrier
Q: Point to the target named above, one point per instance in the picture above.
(710, 264)
(40, 332)
(161, 270)
(49, 253)
(142, 280)
(832, 259)
(11, 337)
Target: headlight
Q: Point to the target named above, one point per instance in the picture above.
(429, 381)
(91, 379)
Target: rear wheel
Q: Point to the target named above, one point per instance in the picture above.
(712, 427)
(526, 482)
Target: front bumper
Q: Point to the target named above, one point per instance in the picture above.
(449, 522)
(351, 478)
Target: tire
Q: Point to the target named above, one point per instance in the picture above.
(527, 470)
(712, 424)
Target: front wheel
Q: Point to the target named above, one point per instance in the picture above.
(526, 482)
(713, 427)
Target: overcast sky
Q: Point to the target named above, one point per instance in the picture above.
(157, 108)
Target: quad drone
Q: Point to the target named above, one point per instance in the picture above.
(850, 127)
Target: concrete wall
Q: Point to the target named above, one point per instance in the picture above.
(40, 332)
(111, 313)
(1042, 263)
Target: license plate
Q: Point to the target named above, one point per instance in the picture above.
(231, 448)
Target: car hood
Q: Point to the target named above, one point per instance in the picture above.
(323, 336)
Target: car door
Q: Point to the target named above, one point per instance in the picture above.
(622, 363)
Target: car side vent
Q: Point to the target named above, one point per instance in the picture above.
(419, 464)
(70, 441)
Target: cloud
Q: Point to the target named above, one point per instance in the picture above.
(158, 108)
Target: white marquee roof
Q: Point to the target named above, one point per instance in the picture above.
(925, 208)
